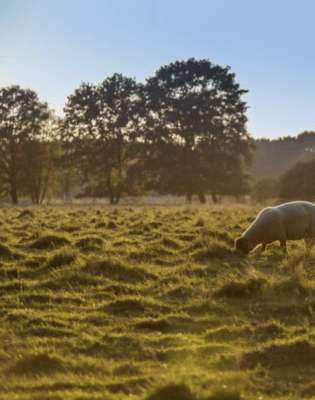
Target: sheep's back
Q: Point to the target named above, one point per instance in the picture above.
(299, 219)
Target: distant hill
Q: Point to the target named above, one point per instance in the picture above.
(273, 157)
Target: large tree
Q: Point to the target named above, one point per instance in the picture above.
(38, 157)
(265, 188)
(22, 116)
(194, 126)
(297, 182)
(99, 125)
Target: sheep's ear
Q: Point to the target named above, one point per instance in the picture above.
(242, 245)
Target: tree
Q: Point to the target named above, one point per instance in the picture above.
(194, 126)
(38, 157)
(99, 124)
(264, 189)
(297, 182)
(68, 170)
(22, 116)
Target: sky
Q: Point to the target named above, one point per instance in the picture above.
(51, 46)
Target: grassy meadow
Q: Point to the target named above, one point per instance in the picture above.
(151, 303)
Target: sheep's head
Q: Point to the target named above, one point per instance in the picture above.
(242, 245)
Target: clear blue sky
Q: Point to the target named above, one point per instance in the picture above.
(50, 46)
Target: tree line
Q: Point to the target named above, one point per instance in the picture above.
(182, 132)
(294, 170)
(296, 183)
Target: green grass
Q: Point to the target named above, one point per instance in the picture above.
(151, 303)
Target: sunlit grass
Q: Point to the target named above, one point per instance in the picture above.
(151, 303)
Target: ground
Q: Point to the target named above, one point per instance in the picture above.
(151, 303)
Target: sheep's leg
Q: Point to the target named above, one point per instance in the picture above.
(263, 247)
(283, 245)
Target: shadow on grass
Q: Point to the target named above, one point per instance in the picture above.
(40, 364)
(300, 354)
(5, 251)
(241, 290)
(117, 271)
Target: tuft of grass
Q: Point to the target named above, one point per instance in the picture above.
(226, 333)
(187, 237)
(111, 225)
(292, 286)
(115, 270)
(101, 224)
(200, 222)
(89, 243)
(170, 242)
(269, 331)
(48, 332)
(261, 333)
(172, 391)
(302, 263)
(126, 307)
(70, 228)
(13, 287)
(63, 257)
(49, 242)
(214, 250)
(26, 213)
(126, 347)
(155, 224)
(120, 289)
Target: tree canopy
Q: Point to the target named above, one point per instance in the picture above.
(181, 132)
(100, 123)
(22, 116)
(195, 127)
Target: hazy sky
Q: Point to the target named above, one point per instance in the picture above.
(51, 46)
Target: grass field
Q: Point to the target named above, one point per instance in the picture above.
(151, 303)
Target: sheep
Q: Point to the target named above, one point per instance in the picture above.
(289, 221)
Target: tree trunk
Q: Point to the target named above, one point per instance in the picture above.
(110, 190)
(117, 198)
(214, 197)
(202, 198)
(188, 198)
(13, 175)
(111, 199)
(13, 193)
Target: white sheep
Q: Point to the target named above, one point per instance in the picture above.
(289, 221)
